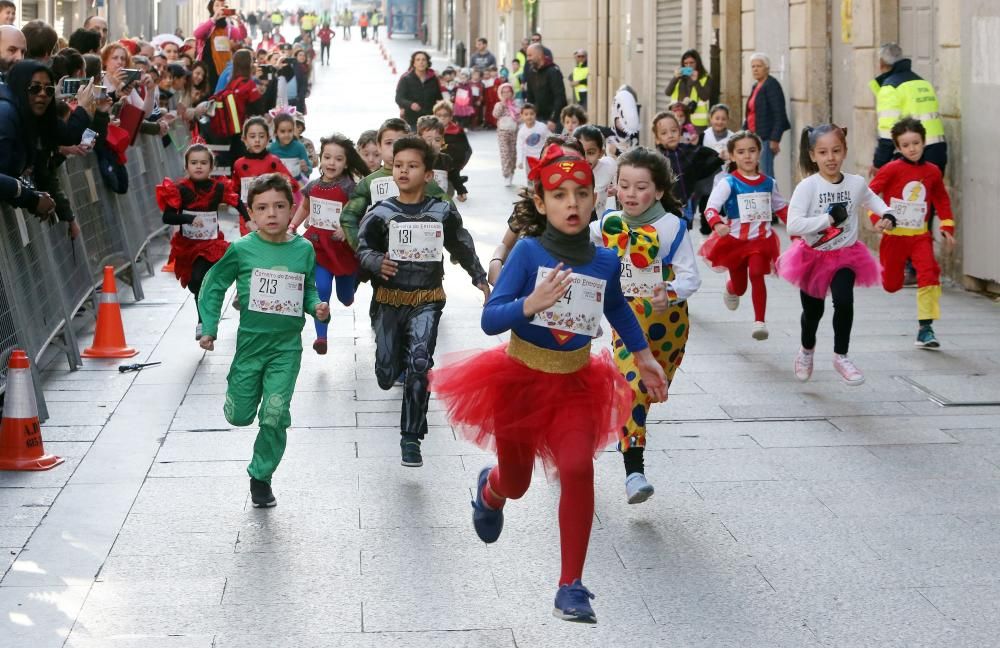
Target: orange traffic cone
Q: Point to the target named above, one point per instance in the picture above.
(392, 66)
(109, 339)
(20, 435)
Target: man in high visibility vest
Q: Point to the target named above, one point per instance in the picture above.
(579, 77)
(900, 92)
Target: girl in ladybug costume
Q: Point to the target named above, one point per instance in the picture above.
(257, 162)
(323, 199)
(193, 203)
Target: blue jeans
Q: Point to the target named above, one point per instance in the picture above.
(767, 160)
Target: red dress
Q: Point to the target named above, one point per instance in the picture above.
(185, 196)
(336, 256)
(245, 170)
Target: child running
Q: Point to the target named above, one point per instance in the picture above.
(368, 148)
(455, 138)
(572, 117)
(604, 166)
(740, 210)
(276, 283)
(911, 184)
(401, 241)
(323, 200)
(508, 118)
(658, 276)
(551, 295)
(531, 135)
(193, 203)
(257, 162)
(829, 258)
(689, 163)
(289, 149)
(446, 175)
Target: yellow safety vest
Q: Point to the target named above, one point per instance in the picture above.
(580, 75)
(914, 98)
(521, 58)
(699, 118)
(515, 82)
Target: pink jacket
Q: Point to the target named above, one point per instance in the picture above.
(236, 32)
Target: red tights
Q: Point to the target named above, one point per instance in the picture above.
(756, 267)
(574, 461)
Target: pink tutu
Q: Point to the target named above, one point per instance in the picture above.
(491, 396)
(812, 270)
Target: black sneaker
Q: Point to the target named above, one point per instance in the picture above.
(261, 495)
(410, 452)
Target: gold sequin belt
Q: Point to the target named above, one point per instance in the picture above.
(548, 360)
(397, 297)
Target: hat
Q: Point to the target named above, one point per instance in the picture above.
(160, 39)
(580, 52)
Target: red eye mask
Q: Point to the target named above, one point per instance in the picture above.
(559, 165)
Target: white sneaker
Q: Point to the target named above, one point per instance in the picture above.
(508, 181)
(637, 488)
(759, 331)
(848, 371)
(731, 301)
(804, 365)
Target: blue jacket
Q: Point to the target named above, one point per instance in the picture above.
(769, 105)
(13, 157)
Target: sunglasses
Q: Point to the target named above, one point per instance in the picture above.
(38, 88)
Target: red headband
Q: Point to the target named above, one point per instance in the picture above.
(559, 165)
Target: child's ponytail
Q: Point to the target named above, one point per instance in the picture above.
(527, 220)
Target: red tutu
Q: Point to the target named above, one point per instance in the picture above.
(335, 256)
(812, 270)
(727, 252)
(491, 396)
(184, 251)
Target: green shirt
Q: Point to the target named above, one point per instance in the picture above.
(243, 256)
(361, 200)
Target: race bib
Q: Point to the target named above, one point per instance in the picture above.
(205, 226)
(441, 178)
(221, 43)
(277, 292)
(293, 165)
(580, 309)
(911, 215)
(420, 242)
(382, 188)
(325, 214)
(640, 282)
(754, 207)
(245, 188)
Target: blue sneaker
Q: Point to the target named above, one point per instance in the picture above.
(487, 522)
(573, 603)
(926, 338)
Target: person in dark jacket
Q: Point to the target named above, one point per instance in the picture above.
(418, 90)
(28, 121)
(765, 112)
(545, 87)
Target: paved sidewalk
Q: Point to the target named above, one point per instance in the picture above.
(786, 514)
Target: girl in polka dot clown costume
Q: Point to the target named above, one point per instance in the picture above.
(658, 275)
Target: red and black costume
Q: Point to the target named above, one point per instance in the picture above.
(193, 257)
(249, 167)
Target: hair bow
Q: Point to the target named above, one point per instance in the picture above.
(642, 242)
(286, 110)
(557, 166)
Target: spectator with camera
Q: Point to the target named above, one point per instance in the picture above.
(692, 85)
(218, 37)
(122, 81)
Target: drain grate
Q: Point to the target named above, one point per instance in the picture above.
(961, 390)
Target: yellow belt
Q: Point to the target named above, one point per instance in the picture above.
(397, 297)
(548, 360)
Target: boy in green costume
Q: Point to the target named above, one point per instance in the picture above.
(275, 279)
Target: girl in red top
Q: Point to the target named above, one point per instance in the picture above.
(340, 166)
(911, 186)
(193, 203)
(255, 163)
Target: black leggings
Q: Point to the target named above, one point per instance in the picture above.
(199, 269)
(842, 290)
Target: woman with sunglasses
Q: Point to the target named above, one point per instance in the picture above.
(27, 113)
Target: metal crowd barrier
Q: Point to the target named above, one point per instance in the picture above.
(47, 279)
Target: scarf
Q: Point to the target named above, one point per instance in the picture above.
(572, 249)
(637, 235)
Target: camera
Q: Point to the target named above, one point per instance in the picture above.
(131, 75)
(100, 92)
(288, 60)
(71, 86)
(266, 72)
(228, 12)
(687, 71)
